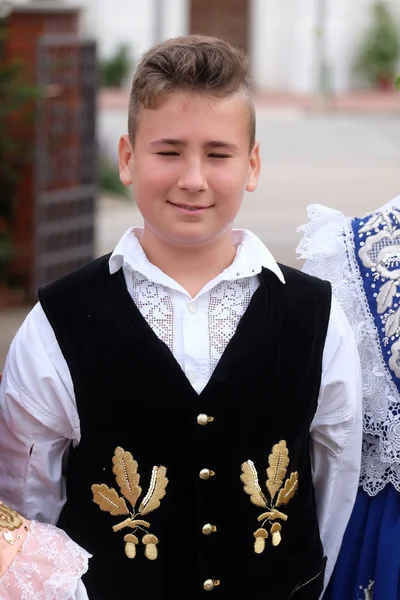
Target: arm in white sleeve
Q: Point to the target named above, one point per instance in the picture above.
(38, 421)
(336, 434)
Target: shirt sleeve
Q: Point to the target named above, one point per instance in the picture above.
(336, 434)
(38, 421)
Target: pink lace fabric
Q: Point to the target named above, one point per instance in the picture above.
(48, 566)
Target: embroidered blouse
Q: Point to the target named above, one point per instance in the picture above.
(361, 259)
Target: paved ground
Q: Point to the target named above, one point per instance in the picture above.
(350, 162)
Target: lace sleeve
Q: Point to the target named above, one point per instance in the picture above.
(48, 566)
(320, 234)
(328, 247)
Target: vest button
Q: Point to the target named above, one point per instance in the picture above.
(210, 584)
(206, 474)
(204, 419)
(207, 529)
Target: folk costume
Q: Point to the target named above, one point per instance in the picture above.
(38, 561)
(207, 441)
(361, 258)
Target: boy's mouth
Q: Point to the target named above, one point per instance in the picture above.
(189, 207)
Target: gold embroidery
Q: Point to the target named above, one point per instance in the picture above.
(251, 486)
(278, 461)
(272, 515)
(150, 542)
(125, 469)
(133, 524)
(108, 500)
(276, 535)
(126, 474)
(9, 521)
(289, 490)
(131, 542)
(9, 518)
(259, 543)
(156, 491)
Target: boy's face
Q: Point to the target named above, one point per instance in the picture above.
(190, 166)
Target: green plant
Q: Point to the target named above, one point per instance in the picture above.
(115, 70)
(397, 83)
(16, 109)
(379, 52)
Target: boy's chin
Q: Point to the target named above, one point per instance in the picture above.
(192, 237)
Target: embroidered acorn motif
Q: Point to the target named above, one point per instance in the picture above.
(259, 544)
(125, 469)
(130, 545)
(150, 541)
(276, 535)
(280, 493)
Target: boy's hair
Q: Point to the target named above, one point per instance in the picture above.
(192, 63)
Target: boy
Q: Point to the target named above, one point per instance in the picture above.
(182, 420)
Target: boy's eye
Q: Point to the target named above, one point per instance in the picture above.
(171, 153)
(217, 155)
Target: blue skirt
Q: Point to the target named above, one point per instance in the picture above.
(369, 560)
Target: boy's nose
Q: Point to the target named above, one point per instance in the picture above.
(193, 179)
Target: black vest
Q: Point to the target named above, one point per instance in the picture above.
(211, 464)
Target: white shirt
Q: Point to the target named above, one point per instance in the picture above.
(39, 419)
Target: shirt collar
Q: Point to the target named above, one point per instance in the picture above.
(251, 256)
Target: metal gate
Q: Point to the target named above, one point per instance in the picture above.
(65, 158)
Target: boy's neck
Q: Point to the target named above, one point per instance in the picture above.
(191, 267)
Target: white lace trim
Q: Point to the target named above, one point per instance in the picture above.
(155, 304)
(328, 246)
(48, 566)
(201, 341)
(227, 304)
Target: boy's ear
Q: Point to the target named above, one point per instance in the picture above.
(254, 168)
(125, 158)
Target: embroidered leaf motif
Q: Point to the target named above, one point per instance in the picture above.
(249, 479)
(373, 222)
(289, 489)
(156, 491)
(386, 295)
(126, 474)
(278, 461)
(392, 323)
(108, 499)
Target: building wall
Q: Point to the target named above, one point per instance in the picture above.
(282, 41)
(138, 23)
(227, 19)
(285, 42)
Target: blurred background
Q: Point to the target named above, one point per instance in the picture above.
(328, 121)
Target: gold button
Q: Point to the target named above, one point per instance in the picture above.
(206, 474)
(207, 529)
(210, 584)
(203, 419)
